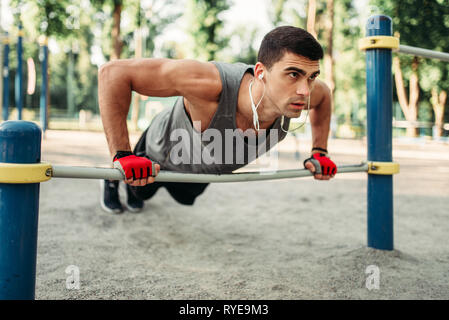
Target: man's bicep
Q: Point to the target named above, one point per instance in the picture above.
(167, 77)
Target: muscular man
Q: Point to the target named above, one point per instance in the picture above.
(214, 98)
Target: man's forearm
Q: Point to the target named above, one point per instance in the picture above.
(116, 131)
(114, 98)
(320, 121)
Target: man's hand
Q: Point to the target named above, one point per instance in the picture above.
(322, 167)
(138, 171)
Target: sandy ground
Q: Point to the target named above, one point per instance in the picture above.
(285, 239)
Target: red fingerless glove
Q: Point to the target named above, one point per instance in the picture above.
(323, 164)
(132, 166)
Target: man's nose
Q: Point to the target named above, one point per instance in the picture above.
(303, 88)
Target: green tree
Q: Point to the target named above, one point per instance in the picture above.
(349, 68)
(156, 16)
(423, 26)
(43, 18)
(115, 7)
(205, 25)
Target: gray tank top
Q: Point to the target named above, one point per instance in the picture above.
(172, 142)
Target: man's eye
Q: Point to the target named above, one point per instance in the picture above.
(313, 77)
(293, 74)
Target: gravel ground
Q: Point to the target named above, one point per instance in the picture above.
(285, 239)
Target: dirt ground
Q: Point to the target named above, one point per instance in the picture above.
(285, 239)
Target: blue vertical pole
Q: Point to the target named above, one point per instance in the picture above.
(43, 98)
(20, 142)
(19, 74)
(5, 75)
(379, 85)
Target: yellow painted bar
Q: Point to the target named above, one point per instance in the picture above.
(379, 42)
(24, 173)
(383, 168)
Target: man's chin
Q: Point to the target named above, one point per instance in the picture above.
(293, 113)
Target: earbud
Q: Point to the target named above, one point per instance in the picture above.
(261, 76)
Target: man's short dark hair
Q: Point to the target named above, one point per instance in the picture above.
(288, 39)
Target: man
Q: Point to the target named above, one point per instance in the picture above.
(214, 98)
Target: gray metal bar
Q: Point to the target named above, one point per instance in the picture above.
(163, 176)
(424, 53)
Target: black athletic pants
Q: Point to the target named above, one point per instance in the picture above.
(184, 193)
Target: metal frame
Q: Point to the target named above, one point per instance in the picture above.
(425, 53)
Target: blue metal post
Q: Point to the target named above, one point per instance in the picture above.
(20, 142)
(5, 75)
(379, 86)
(43, 98)
(19, 74)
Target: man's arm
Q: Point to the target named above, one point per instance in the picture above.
(151, 77)
(320, 117)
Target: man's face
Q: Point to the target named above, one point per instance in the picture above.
(289, 83)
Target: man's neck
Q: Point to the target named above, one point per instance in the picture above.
(244, 116)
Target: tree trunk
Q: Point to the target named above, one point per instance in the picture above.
(47, 107)
(70, 82)
(400, 88)
(409, 108)
(438, 103)
(311, 17)
(117, 43)
(414, 98)
(328, 59)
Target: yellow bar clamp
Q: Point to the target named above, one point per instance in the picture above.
(379, 42)
(25, 172)
(383, 168)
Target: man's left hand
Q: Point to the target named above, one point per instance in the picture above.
(322, 167)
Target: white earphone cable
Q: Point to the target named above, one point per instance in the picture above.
(253, 106)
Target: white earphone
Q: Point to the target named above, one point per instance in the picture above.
(253, 105)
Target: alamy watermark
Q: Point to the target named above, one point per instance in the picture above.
(373, 280)
(72, 282)
(231, 147)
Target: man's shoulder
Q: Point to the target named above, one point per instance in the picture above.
(232, 66)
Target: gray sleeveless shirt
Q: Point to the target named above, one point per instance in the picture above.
(172, 142)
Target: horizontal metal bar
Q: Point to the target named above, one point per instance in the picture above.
(424, 53)
(169, 176)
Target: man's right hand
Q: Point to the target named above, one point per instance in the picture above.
(138, 171)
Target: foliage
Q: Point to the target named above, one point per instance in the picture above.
(350, 89)
(80, 33)
(52, 17)
(205, 24)
(426, 26)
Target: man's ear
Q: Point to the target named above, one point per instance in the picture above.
(259, 69)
